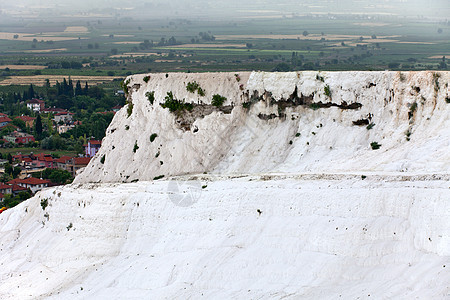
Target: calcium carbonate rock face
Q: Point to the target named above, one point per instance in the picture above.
(278, 122)
(322, 216)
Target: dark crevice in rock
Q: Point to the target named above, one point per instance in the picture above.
(186, 118)
(295, 100)
(361, 122)
(271, 116)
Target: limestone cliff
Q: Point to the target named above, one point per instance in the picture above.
(293, 122)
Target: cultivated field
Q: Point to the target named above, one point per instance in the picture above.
(40, 80)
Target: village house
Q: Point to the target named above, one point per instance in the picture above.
(35, 105)
(34, 184)
(17, 137)
(5, 188)
(92, 147)
(64, 117)
(53, 110)
(64, 128)
(76, 164)
(29, 121)
(33, 161)
(61, 163)
(16, 189)
(4, 120)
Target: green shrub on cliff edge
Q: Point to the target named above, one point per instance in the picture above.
(175, 105)
(375, 145)
(218, 100)
(129, 109)
(327, 91)
(150, 96)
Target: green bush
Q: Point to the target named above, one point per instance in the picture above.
(44, 203)
(327, 91)
(200, 92)
(447, 99)
(175, 105)
(146, 79)
(218, 100)
(153, 137)
(102, 160)
(192, 87)
(124, 85)
(314, 106)
(246, 105)
(370, 126)
(150, 96)
(375, 145)
(158, 177)
(135, 147)
(129, 109)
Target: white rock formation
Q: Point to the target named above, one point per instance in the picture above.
(241, 142)
(323, 217)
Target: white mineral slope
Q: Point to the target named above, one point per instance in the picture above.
(304, 225)
(244, 142)
(319, 239)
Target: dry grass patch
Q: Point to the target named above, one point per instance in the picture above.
(46, 50)
(439, 56)
(23, 67)
(76, 29)
(30, 37)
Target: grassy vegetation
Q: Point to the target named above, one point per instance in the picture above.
(25, 150)
(116, 47)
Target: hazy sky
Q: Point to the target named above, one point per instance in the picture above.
(430, 8)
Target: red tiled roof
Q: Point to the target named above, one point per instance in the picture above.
(27, 159)
(4, 119)
(81, 160)
(34, 101)
(46, 110)
(4, 186)
(34, 181)
(12, 126)
(26, 118)
(14, 181)
(64, 113)
(63, 159)
(95, 142)
(17, 188)
(3, 115)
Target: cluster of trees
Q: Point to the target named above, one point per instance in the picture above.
(88, 103)
(55, 175)
(11, 201)
(65, 65)
(170, 42)
(207, 36)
